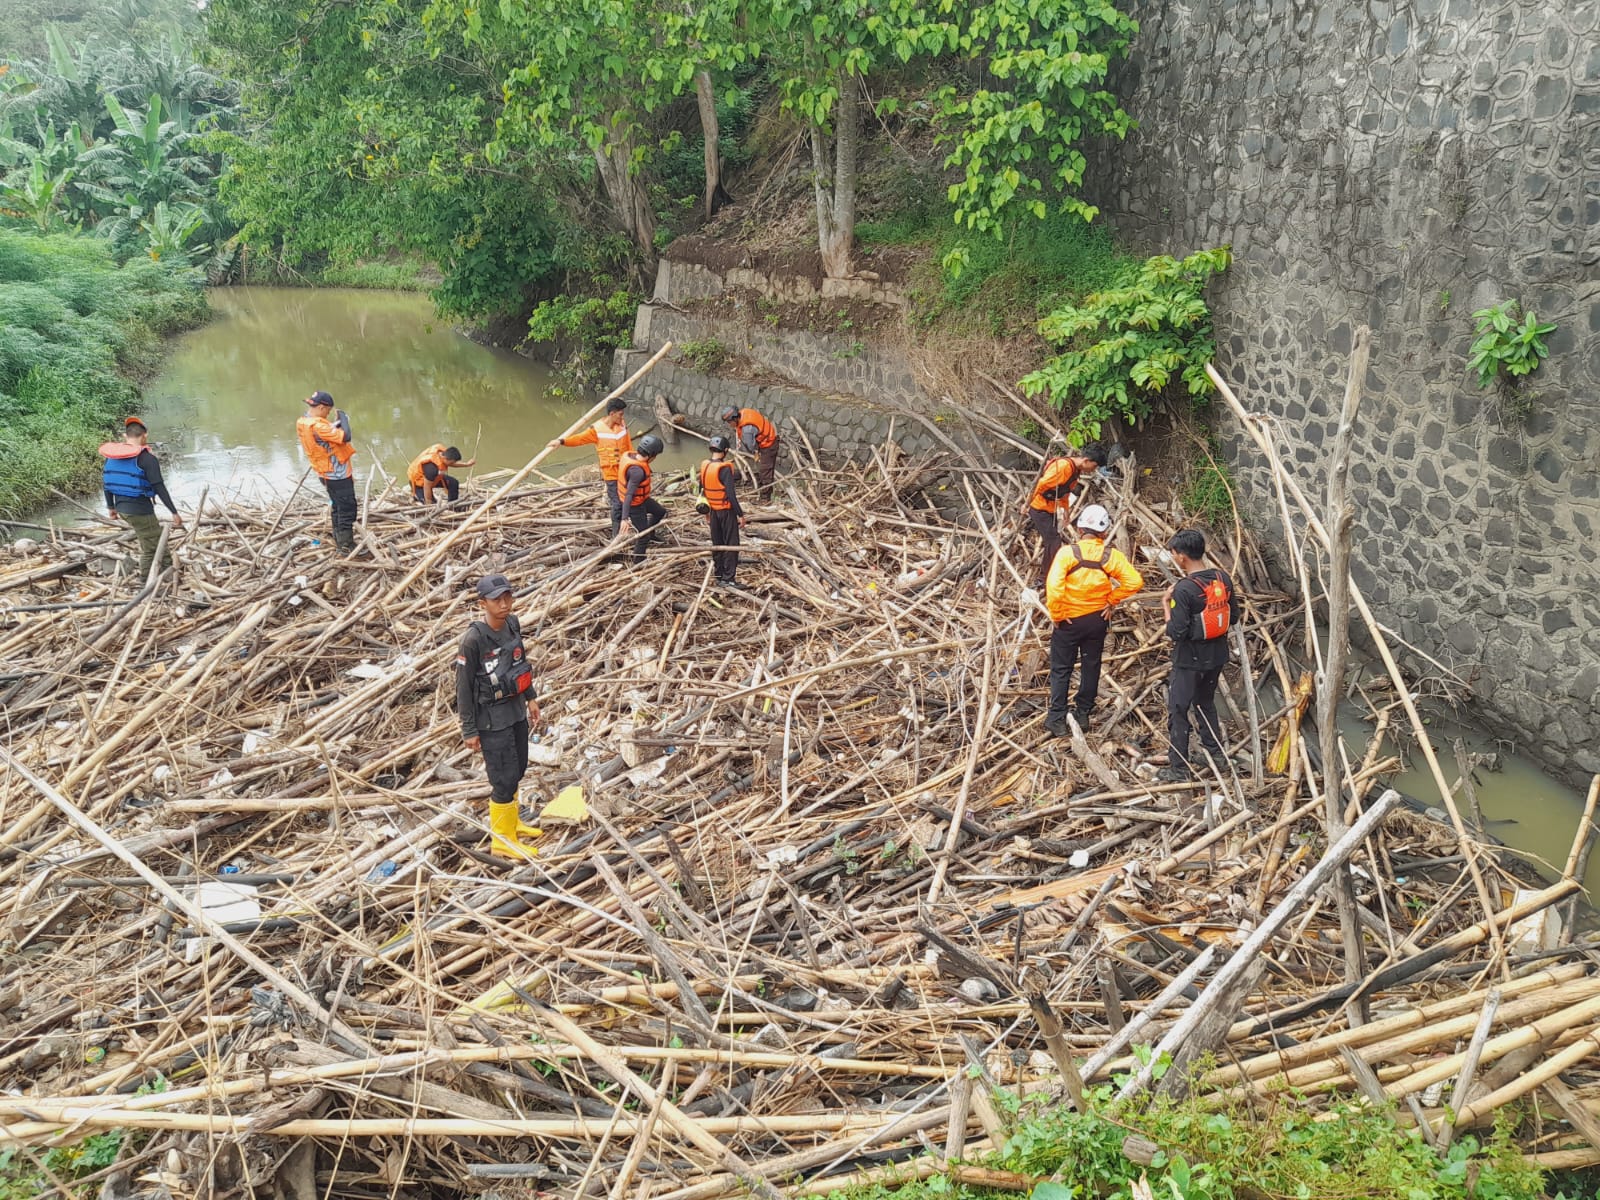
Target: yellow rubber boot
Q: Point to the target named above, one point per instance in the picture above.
(503, 840)
(524, 830)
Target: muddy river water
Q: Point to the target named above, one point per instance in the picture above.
(224, 408)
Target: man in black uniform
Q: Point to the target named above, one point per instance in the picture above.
(133, 482)
(1201, 608)
(722, 510)
(495, 700)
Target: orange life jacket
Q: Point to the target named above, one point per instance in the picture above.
(609, 445)
(711, 484)
(630, 459)
(433, 454)
(1054, 486)
(1213, 620)
(324, 454)
(766, 431)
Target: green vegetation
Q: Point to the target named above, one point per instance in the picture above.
(403, 275)
(75, 329)
(584, 331)
(1508, 346)
(1207, 495)
(703, 354)
(24, 1176)
(1124, 345)
(1208, 1150)
(111, 135)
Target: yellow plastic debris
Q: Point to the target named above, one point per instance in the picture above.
(568, 806)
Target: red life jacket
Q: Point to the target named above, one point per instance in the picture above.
(1212, 621)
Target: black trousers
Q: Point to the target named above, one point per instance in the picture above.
(724, 532)
(449, 483)
(614, 504)
(505, 760)
(342, 496)
(1188, 688)
(1044, 524)
(766, 469)
(1080, 641)
(645, 517)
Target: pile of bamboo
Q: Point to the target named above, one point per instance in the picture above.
(831, 860)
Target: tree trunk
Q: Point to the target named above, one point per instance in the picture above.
(834, 182)
(715, 193)
(630, 203)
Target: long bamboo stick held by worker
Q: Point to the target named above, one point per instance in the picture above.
(438, 551)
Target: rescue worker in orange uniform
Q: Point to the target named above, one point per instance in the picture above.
(640, 514)
(428, 469)
(327, 445)
(1051, 500)
(133, 482)
(754, 434)
(609, 437)
(1087, 580)
(495, 704)
(1201, 608)
(721, 508)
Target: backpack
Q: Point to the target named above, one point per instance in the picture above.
(1213, 620)
(511, 676)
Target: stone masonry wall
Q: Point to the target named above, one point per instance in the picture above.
(1401, 163)
(837, 426)
(829, 362)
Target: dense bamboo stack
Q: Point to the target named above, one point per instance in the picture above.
(832, 858)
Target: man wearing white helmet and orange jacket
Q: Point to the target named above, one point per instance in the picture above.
(1086, 580)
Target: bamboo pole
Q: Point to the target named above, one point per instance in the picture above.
(1341, 519)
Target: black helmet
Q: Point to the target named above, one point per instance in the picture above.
(719, 443)
(650, 445)
(730, 414)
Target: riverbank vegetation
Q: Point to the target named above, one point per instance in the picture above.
(76, 330)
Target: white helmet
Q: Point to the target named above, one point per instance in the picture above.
(1094, 518)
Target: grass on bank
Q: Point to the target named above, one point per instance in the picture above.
(76, 333)
(1210, 1150)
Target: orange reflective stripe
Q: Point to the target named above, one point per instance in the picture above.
(711, 484)
(322, 454)
(609, 446)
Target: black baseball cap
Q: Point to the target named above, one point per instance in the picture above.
(491, 586)
(320, 397)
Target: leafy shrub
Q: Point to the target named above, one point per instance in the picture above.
(585, 330)
(1508, 347)
(75, 331)
(703, 354)
(1124, 345)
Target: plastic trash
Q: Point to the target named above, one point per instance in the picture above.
(382, 871)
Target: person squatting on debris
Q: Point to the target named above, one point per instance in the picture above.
(640, 513)
(427, 473)
(1086, 580)
(609, 437)
(132, 481)
(1051, 502)
(720, 504)
(327, 445)
(1201, 608)
(754, 434)
(495, 702)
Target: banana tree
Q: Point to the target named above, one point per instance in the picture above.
(34, 195)
(170, 228)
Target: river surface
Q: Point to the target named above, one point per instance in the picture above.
(223, 411)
